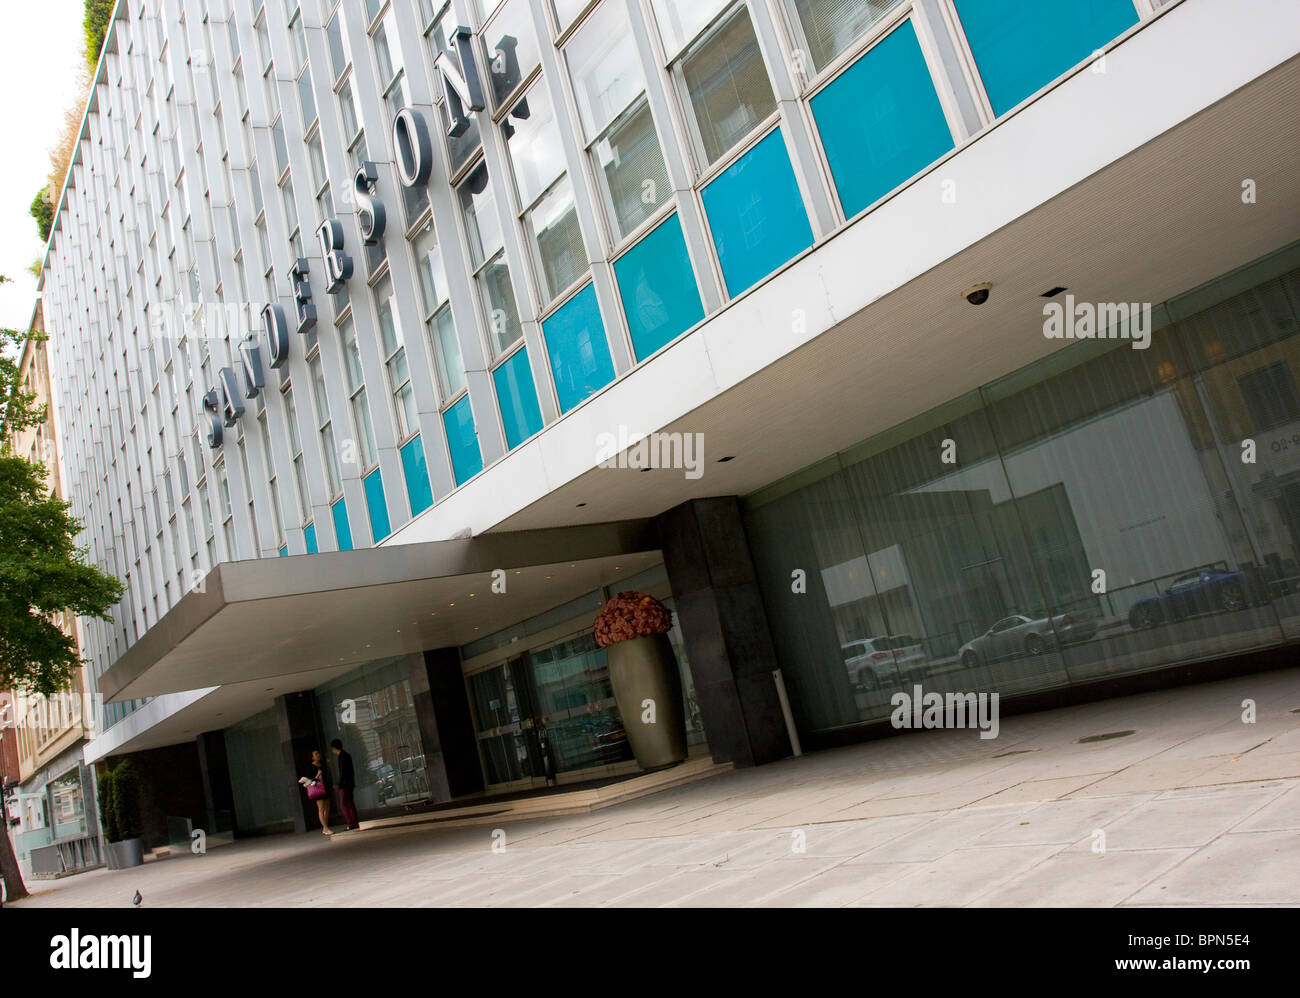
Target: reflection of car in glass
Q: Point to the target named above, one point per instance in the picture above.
(1204, 591)
(873, 662)
(1021, 635)
(387, 782)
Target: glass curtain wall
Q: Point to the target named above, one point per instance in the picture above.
(372, 711)
(1104, 512)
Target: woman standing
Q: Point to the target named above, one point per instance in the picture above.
(317, 775)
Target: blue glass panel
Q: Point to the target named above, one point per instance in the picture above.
(341, 529)
(881, 121)
(1020, 47)
(309, 535)
(284, 551)
(377, 506)
(418, 489)
(517, 398)
(462, 441)
(756, 214)
(657, 285)
(579, 352)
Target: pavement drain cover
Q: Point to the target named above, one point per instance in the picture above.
(1106, 737)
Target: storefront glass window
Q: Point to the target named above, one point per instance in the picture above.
(372, 711)
(1097, 519)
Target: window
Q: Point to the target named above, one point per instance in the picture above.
(483, 227)
(756, 214)
(510, 49)
(828, 27)
(609, 84)
(1270, 396)
(295, 455)
(1019, 47)
(338, 55)
(437, 314)
(461, 148)
(726, 85)
(550, 215)
(367, 453)
(567, 11)
(681, 20)
(394, 351)
(880, 120)
(326, 428)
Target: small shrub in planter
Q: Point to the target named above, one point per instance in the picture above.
(107, 812)
(126, 801)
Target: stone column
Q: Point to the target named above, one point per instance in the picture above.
(724, 625)
(446, 726)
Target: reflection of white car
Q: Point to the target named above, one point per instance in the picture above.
(1020, 635)
(874, 662)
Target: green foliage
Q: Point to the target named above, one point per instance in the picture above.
(126, 801)
(43, 211)
(98, 13)
(107, 808)
(35, 268)
(42, 573)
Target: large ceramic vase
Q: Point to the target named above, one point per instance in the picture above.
(642, 669)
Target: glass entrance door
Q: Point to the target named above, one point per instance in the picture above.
(505, 718)
(551, 707)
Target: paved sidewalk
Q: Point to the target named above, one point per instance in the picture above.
(1194, 807)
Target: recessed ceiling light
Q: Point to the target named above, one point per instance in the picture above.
(472, 595)
(1053, 292)
(451, 604)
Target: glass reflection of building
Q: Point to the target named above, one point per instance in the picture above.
(1102, 515)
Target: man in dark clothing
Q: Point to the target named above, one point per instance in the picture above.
(346, 784)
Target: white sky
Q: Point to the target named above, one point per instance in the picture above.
(41, 45)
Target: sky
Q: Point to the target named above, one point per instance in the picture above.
(41, 45)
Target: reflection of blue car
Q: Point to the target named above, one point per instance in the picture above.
(1203, 591)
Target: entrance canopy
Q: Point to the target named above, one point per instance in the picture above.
(274, 617)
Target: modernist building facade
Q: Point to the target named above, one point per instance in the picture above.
(52, 798)
(360, 310)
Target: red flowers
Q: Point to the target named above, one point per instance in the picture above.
(631, 615)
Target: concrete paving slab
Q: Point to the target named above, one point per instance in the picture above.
(1084, 879)
(1238, 868)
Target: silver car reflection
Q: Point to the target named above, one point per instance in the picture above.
(1019, 635)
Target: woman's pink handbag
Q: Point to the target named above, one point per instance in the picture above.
(315, 789)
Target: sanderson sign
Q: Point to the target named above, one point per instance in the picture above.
(223, 405)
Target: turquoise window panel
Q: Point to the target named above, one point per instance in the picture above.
(377, 506)
(660, 297)
(517, 399)
(284, 551)
(578, 350)
(881, 121)
(341, 529)
(756, 214)
(1020, 47)
(309, 535)
(418, 489)
(462, 441)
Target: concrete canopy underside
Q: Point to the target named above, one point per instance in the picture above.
(314, 616)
